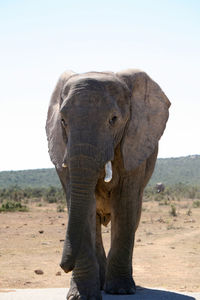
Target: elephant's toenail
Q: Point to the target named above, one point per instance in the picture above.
(121, 291)
(131, 291)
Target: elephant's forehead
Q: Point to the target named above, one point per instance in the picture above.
(93, 83)
(88, 100)
(93, 78)
(89, 94)
(93, 92)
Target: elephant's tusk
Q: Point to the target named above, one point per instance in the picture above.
(64, 165)
(108, 170)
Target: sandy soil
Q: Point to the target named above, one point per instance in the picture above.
(166, 254)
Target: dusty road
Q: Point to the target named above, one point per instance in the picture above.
(167, 248)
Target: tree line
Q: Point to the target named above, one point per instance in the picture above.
(54, 194)
(170, 171)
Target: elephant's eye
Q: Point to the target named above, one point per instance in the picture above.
(64, 124)
(113, 120)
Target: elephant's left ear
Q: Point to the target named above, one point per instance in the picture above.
(54, 131)
(149, 114)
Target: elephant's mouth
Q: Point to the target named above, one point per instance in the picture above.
(108, 170)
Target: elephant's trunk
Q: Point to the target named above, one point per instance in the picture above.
(83, 178)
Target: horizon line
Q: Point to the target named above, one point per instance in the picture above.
(53, 167)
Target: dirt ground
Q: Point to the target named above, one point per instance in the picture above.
(166, 253)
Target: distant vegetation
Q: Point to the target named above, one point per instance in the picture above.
(12, 206)
(181, 177)
(15, 198)
(16, 193)
(170, 171)
(40, 178)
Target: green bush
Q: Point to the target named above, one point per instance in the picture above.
(173, 211)
(54, 195)
(15, 193)
(173, 192)
(12, 206)
(196, 203)
(60, 208)
(189, 212)
(159, 197)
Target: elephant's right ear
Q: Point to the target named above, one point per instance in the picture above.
(54, 132)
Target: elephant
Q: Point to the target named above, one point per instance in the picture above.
(160, 187)
(103, 130)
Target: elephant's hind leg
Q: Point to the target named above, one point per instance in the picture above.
(100, 253)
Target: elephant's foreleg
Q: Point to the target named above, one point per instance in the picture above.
(100, 253)
(125, 215)
(85, 283)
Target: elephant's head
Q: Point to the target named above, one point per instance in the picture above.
(89, 116)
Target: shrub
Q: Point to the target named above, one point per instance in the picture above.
(173, 192)
(53, 195)
(60, 208)
(173, 211)
(189, 212)
(196, 203)
(159, 197)
(12, 206)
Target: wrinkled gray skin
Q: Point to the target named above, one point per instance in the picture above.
(94, 118)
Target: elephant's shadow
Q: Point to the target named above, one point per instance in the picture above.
(149, 294)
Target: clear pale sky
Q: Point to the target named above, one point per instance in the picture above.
(39, 39)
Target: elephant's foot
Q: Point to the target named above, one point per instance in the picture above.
(84, 290)
(121, 286)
